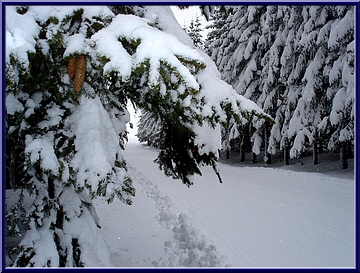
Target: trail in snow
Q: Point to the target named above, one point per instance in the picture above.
(187, 247)
(153, 232)
(259, 217)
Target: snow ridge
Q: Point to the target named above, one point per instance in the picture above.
(189, 247)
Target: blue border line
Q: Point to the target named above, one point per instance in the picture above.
(357, 124)
(3, 136)
(174, 3)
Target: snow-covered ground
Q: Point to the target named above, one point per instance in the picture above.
(259, 217)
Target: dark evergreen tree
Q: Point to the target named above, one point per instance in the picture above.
(194, 30)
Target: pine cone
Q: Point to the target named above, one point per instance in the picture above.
(80, 70)
(71, 67)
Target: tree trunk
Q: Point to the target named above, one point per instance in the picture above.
(227, 153)
(316, 154)
(253, 160)
(320, 145)
(51, 187)
(349, 150)
(343, 155)
(269, 159)
(14, 164)
(267, 156)
(242, 148)
(316, 149)
(286, 153)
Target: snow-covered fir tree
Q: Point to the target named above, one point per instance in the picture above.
(216, 22)
(309, 124)
(194, 30)
(341, 79)
(150, 130)
(296, 56)
(70, 71)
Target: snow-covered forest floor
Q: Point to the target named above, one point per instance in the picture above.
(259, 217)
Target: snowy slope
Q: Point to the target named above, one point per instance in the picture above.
(259, 217)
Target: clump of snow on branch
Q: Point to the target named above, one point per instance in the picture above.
(98, 149)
